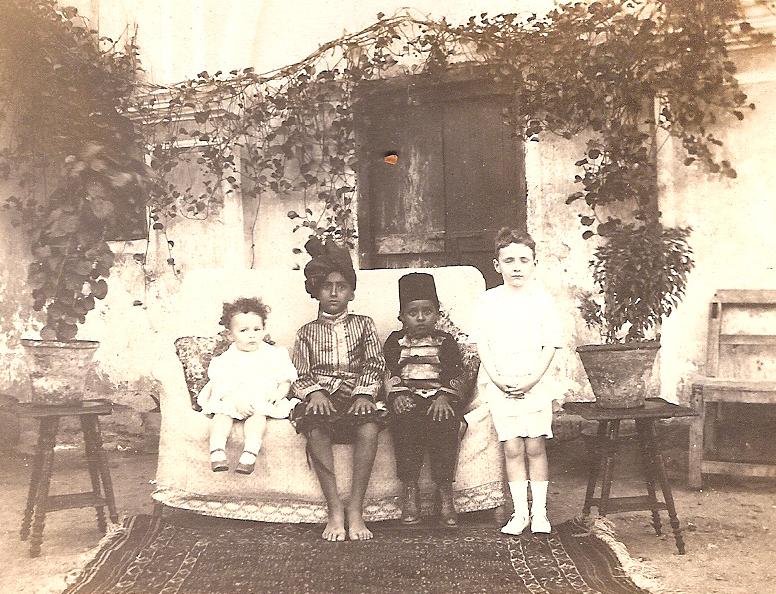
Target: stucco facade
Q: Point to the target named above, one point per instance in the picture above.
(732, 220)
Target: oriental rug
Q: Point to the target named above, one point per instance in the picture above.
(188, 554)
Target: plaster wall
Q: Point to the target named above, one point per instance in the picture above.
(14, 301)
(180, 38)
(561, 252)
(733, 221)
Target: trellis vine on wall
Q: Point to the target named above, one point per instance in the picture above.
(594, 67)
(70, 149)
(617, 70)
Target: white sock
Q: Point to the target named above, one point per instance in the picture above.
(519, 491)
(247, 458)
(252, 445)
(539, 498)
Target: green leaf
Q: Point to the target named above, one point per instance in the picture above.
(48, 333)
(66, 331)
(99, 288)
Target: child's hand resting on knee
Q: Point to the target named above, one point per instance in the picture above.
(440, 409)
(403, 403)
(319, 404)
(362, 406)
(244, 408)
(205, 394)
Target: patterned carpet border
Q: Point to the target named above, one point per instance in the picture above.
(188, 554)
(278, 509)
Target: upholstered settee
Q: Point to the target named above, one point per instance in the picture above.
(283, 487)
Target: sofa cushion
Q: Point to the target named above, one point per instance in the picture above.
(196, 352)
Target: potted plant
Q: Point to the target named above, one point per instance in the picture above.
(73, 152)
(640, 271)
(71, 261)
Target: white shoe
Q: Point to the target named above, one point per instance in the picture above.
(516, 525)
(540, 524)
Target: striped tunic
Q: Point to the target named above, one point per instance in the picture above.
(426, 365)
(338, 351)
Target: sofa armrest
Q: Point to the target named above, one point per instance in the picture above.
(469, 356)
(195, 353)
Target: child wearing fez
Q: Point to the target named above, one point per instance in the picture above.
(341, 369)
(518, 333)
(423, 392)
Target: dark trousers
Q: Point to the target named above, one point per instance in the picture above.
(414, 433)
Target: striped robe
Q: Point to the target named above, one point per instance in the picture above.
(338, 351)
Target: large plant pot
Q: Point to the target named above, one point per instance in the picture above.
(58, 369)
(619, 373)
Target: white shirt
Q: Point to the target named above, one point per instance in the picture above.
(516, 324)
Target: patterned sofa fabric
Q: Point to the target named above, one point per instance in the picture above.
(196, 352)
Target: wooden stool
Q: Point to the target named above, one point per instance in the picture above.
(603, 453)
(39, 502)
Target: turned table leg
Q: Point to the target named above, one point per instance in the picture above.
(102, 464)
(32, 495)
(610, 451)
(94, 471)
(595, 453)
(665, 486)
(648, 465)
(48, 429)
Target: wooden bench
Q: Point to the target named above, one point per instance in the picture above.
(740, 368)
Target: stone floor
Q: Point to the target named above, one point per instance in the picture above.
(729, 525)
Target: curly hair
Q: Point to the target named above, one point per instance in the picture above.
(243, 305)
(507, 235)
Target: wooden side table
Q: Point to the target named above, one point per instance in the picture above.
(603, 452)
(39, 502)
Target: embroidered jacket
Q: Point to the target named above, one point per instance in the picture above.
(426, 365)
(336, 350)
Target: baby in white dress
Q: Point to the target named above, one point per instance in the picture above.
(249, 382)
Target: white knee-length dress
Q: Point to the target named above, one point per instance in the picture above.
(517, 324)
(249, 380)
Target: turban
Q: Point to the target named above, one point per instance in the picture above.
(326, 258)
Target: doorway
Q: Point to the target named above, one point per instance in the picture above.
(440, 171)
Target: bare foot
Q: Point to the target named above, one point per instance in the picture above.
(357, 530)
(335, 528)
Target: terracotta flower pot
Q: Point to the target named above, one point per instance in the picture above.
(619, 373)
(58, 369)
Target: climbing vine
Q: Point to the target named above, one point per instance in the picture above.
(74, 155)
(616, 71)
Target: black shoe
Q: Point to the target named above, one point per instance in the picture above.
(447, 515)
(410, 512)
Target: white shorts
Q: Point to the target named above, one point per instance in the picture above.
(517, 417)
